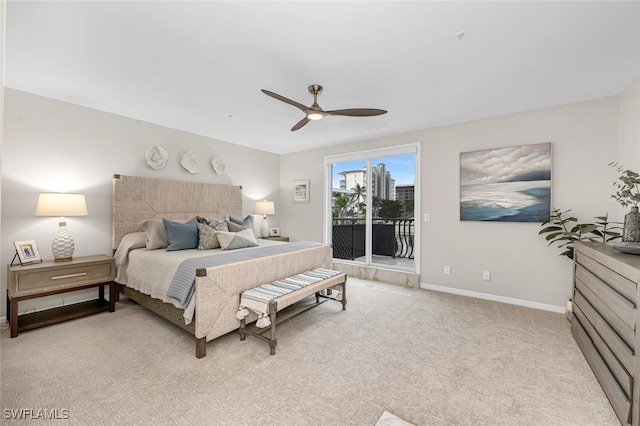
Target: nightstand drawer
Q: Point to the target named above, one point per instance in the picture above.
(62, 276)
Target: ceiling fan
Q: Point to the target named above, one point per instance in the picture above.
(314, 112)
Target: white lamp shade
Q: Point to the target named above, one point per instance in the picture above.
(61, 204)
(264, 208)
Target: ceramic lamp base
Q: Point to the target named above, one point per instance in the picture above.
(264, 228)
(62, 245)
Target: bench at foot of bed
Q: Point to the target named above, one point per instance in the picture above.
(268, 299)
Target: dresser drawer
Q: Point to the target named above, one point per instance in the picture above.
(620, 402)
(615, 309)
(614, 280)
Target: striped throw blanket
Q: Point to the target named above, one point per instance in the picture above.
(257, 299)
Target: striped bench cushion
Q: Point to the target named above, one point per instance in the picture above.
(257, 299)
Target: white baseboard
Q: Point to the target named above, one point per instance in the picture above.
(493, 297)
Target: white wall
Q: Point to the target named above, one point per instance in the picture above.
(3, 7)
(50, 145)
(630, 127)
(55, 146)
(584, 139)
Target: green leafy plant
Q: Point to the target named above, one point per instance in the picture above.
(564, 231)
(627, 185)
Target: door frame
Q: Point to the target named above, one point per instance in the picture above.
(367, 156)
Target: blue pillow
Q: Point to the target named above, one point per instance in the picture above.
(241, 221)
(236, 225)
(181, 236)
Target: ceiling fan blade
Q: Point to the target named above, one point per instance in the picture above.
(285, 100)
(357, 112)
(300, 124)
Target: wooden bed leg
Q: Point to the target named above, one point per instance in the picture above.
(201, 347)
(273, 307)
(242, 333)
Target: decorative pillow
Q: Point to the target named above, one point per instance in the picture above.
(236, 240)
(219, 224)
(181, 236)
(236, 225)
(207, 236)
(156, 234)
(207, 232)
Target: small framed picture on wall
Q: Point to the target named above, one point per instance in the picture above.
(301, 191)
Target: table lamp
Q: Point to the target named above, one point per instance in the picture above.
(264, 208)
(61, 204)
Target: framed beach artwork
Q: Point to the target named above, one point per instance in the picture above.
(506, 184)
(301, 191)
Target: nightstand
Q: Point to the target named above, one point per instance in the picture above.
(49, 278)
(286, 239)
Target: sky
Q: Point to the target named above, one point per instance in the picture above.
(401, 167)
(504, 164)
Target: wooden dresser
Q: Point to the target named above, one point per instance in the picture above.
(605, 300)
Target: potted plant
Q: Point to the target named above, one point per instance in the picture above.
(628, 194)
(565, 230)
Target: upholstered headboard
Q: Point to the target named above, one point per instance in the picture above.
(137, 198)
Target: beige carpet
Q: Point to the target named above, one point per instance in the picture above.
(429, 358)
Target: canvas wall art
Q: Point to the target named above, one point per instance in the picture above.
(506, 184)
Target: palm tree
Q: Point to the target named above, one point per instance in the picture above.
(340, 204)
(359, 196)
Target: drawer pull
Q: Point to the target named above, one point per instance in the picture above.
(61, 277)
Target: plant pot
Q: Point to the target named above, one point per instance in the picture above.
(631, 228)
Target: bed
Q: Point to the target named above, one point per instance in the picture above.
(212, 307)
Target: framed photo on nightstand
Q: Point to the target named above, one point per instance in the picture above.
(27, 252)
(274, 232)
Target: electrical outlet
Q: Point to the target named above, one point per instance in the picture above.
(486, 275)
(447, 269)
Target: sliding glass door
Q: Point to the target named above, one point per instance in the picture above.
(371, 207)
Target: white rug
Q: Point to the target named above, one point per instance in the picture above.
(388, 419)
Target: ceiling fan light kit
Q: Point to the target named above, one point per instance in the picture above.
(314, 112)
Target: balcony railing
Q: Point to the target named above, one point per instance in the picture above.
(390, 237)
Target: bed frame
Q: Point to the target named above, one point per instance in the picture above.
(218, 289)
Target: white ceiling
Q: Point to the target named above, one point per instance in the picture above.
(199, 66)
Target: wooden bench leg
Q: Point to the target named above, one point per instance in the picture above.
(344, 294)
(273, 308)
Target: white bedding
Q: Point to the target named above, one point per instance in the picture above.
(151, 271)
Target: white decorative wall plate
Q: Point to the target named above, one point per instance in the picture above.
(191, 162)
(157, 157)
(218, 166)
